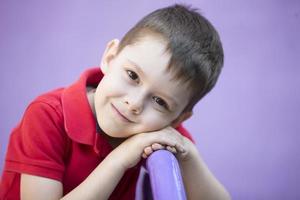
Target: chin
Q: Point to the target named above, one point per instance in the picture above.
(116, 135)
(113, 133)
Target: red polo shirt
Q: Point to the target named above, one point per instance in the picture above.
(57, 139)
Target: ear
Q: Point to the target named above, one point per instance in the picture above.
(182, 117)
(109, 53)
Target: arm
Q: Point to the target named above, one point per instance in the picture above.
(102, 181)
(199, 182)
(98, 185)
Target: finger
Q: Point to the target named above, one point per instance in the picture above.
(180, 148)
(148, 151)
(157, 146)
(164, 140)
(144, 155)
(171, 149)
(174, 150)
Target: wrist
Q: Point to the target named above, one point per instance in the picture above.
(190, 153)
(129, 153)
(116, 161)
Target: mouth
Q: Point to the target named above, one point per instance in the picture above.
(121, 116)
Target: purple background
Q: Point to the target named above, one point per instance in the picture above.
(247, 129)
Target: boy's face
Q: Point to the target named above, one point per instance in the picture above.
(136, 94)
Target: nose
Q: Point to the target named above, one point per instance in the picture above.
(135, 104)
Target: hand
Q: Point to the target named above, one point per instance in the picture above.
(154, 147)
(130, 152)
(171, 132)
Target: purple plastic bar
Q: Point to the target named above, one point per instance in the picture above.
(165, 177)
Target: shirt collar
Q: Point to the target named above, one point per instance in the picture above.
(80, 122)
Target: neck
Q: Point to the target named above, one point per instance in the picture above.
(114, 142)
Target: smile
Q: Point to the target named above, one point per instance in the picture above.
(120, 115)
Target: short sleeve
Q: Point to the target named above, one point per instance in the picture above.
(185, 132)
(37, 144)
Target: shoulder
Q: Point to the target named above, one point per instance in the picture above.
(42, 110)
(42, 124)
(38, 144)
(44, 115)
(185, 132)
(52, 98)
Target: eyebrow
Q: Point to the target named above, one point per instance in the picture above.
(138, 68)
(140, 71)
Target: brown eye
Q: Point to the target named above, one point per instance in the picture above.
(160, 102)
(132, 75)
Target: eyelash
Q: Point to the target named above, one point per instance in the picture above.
(164, 104)
(133, 76)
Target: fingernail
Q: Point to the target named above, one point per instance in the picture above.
(182, 150)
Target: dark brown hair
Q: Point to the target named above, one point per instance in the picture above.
(194, 44)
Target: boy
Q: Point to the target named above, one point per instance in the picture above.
(87, 141)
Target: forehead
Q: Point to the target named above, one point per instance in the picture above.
(150, 58)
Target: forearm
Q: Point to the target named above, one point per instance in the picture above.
(199, 182)
(100, 183)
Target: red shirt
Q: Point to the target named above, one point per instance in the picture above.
(57, 138)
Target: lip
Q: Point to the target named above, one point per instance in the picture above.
(121, 116)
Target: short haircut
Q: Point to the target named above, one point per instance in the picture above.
(194, 44)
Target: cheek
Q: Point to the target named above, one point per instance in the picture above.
(113, 86)
(153, 120)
